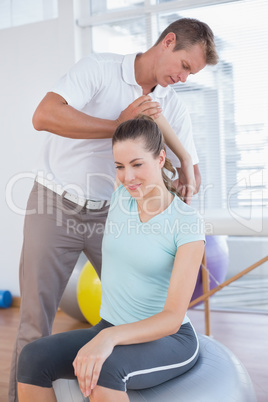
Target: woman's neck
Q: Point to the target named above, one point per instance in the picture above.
(154, 204)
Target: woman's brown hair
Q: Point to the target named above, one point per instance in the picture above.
(145, 128)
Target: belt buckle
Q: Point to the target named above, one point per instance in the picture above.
(94, 205)
(75, 199)
(85, 203)
(82, 202)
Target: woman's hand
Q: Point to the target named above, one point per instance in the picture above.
(89, 361)
(186, 184)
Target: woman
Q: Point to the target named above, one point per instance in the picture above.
(152, 249)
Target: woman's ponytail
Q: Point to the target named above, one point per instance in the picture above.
(167, 179)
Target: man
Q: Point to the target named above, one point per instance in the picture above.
(69, 202)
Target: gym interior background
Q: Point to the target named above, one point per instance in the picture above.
(41, 39)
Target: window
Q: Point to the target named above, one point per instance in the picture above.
(228, 103)
(120, 36)
(106, 6)
(16, 12)
(234, 105)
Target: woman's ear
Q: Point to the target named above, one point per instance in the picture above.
(162, 158)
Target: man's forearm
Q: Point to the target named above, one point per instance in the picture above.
(53, 114)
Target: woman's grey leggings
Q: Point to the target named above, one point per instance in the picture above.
(128, 367)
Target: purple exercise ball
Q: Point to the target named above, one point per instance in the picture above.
(217, 256)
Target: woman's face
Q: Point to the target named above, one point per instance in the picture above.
(137, 169)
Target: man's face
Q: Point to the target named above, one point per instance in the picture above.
(173, 67)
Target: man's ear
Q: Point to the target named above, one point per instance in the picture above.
(169, 39)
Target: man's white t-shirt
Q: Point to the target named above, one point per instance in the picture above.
(102, 85)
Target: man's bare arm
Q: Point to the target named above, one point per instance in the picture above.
(53, 114)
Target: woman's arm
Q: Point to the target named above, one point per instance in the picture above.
(91, 357)
(172, 140)
(187, 189)
(53, 114)
(180, 182)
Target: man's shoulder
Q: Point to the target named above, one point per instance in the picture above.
(167, 93)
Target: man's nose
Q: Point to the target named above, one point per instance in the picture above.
(183, 76)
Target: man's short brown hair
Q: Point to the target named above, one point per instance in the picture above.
(190, 32)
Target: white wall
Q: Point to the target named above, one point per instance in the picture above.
(32, 58)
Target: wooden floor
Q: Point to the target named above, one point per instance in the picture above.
(245, 334)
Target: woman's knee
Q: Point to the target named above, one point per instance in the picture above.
(112, 373)
(100, 394)
(32, 361)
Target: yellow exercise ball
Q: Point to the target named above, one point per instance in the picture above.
(89, 294)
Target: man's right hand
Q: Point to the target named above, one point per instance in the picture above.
(143, 105)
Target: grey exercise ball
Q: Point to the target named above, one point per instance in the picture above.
(69, 302)
(218, 376)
